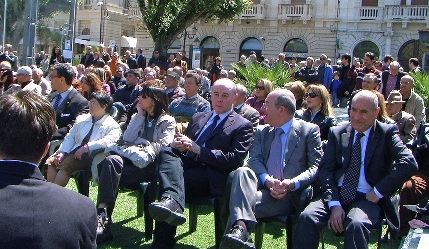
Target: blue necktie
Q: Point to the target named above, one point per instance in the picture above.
(207, 132)
(352, 173)
(57, 101)
(275, 160)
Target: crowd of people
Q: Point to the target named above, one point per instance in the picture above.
(200, 134)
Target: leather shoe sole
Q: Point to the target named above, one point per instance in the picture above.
(231, 242)
(161, 213)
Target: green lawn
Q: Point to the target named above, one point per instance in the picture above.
(128, 229)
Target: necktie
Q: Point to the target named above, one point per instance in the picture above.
(275, 160)
(207, 132)
(351, 176)
(57, 101)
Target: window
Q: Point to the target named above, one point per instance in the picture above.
(369, 3)
(366, 46)
(296, 45)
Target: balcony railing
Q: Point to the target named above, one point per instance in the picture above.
(134, 13)
(287, 11)
(371, 13)
(407, 12)
(255, 11)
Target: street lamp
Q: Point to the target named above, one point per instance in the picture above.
(188, 35)
(101, 4)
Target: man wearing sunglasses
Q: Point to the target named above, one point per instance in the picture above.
(324, 72)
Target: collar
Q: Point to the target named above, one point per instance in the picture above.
(238, 108)
(286, 126)
(366, 133)
(221, 116)
(66, 93)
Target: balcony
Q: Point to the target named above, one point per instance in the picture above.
(405, 13)
(255, 11)
(288, 11)
(134, 13)
(371, 13)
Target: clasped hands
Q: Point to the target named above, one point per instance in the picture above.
(336, 219)
(183, 143)
(279, 188)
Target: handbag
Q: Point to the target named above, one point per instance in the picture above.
(137, 153)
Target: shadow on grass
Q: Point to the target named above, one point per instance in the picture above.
(124, 237)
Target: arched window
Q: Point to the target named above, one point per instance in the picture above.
(296, 46)
(86, 31)
(209, 50)
(366, 46)
(251, 44)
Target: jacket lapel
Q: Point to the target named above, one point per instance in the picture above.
(371, 146)
(292, 141)
(347, 143)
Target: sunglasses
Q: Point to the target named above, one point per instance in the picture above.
(311, 95)
(260, 87)
(323, 59)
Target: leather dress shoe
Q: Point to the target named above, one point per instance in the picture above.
(167, 210)
(237, 237)
(103, 229)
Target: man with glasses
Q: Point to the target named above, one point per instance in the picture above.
(368, 67)
(156, 60)
(66, 100)
(390, 79)
(414, 104)
(324, 72)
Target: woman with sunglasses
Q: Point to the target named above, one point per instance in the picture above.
(319, 110)
(150, 129)
(6, 76)
(262, 89)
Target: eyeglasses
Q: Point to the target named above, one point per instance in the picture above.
(406, 82)
(311, 95)
(260, 87)
(323, 59)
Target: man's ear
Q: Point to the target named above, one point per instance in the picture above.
(45, 151)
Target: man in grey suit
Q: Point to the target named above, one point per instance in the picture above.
(364, 163)
(284, 158)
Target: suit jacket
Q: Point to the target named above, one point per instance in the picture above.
(416, 107)
(87, 60)
(74, 105)
(249, 113)
(406, 125)
(385, 76)
(302, 155)
(324, 123)
(39, 214)
(141, 61)
(388, 164)
(226, 148)
(132, 63)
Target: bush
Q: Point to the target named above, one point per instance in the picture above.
(421, 81)
(252, 72)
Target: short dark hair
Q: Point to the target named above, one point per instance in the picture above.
(414, 61)
(160, 98)
(370, 55)
(347, 56)
(197, 77)
(66, 71)
(103, 99)
(387, 58)
(25, 143)
(135, 72)
(286, 101)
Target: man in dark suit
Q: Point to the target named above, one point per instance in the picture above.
(88, 58)
(141, 59)
(243, 109)
(364, 164)
(36, 214)
(199, 161)
(129, 59)
(67, 102)
(391, 80)
(284, 158)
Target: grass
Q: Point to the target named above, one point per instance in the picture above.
(128, 229)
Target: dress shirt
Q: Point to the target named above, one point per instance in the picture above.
(283, 138)
(210, 121)
(63, 96)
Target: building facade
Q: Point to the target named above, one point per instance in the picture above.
(299, 28)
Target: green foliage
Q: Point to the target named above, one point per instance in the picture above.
(253, 72)
(421, 87)
(165, 20)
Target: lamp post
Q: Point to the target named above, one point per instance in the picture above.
(187, 35)
(4, 24)
(101, 4)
